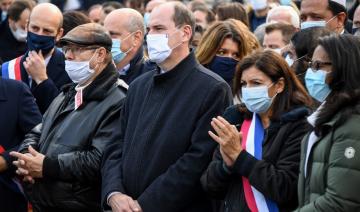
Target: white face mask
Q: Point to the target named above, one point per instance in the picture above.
(79, 72)
(289, 61)
(158, 47)
(19, 34)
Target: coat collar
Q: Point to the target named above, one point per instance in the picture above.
(180, 70)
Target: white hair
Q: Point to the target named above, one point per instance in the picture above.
(295, 18)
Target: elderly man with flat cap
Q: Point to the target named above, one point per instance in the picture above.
(60, 159)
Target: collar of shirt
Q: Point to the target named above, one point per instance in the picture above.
(47, 60)
(124, 70)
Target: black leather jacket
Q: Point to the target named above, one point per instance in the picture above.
(73, 142)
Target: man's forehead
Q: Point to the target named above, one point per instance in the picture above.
(310, 6)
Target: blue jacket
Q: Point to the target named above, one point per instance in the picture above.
(18, 115)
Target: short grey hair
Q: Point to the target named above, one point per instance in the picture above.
(183, 16)
(295, 17)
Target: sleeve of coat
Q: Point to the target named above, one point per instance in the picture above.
(111, 168)
(217, 178)
(276, 181)
(175, 187)
(28, 117)
(343, 174)
(45, 93)
(84, 165)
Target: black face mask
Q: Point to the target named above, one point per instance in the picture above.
(354, 30)
(224, 66)
(37, 42)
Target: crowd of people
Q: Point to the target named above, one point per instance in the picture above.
(165, 106)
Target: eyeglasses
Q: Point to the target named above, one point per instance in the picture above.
(77, 49)
(317, 65)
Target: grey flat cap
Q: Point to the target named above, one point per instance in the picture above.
(87, 35)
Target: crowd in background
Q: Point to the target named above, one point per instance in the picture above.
(164, 105)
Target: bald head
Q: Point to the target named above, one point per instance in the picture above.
(127, 18)
(48, 12)
(152, 4)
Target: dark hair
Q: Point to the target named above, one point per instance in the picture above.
(287, 30)
(109, 6)
(305, 42)
(17, 7)
(275, 67)
(337, 8)
(183, 16)
(344, 53)
(73, 19)
(233, 10)
(210, 16)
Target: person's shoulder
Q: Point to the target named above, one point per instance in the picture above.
(13, 87)
(208, 75)
(350, 128)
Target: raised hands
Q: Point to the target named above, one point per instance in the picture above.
(229, 139)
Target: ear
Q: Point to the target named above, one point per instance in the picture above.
(11, 23)
(280, 85)
(341, 18)
(101, 55)
(187, 33)
(59, 35)
(138, 38)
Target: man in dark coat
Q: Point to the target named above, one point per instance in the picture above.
(162, 144)
(42, 67)
(66, 151)
(13, 30)
(19, 114)
(126, 27)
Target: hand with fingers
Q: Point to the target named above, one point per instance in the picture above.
(122, 203)
(29, 164)
(35, 66)
(229, 139)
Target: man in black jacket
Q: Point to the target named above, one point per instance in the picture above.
(66, 150)
(126, 28)
(162, 146)
(42, 67)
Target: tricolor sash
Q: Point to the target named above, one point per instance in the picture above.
(253, 136)
(11, 69)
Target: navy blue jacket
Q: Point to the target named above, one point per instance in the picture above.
(162, 146)
(18, 115)
(47, 90)
(10, 48)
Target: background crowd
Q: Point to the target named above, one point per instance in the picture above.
(165, 105)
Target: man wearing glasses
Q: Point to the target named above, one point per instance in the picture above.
(60, 159)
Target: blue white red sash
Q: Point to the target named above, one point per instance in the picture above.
(11, 69)
(253, 137)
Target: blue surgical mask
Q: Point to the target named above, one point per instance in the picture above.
(40, 42)
(146, 19)
(315, 82)
(311, 24)
(117, 54)
(285, 2)
(224, 66)
(256, 99)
